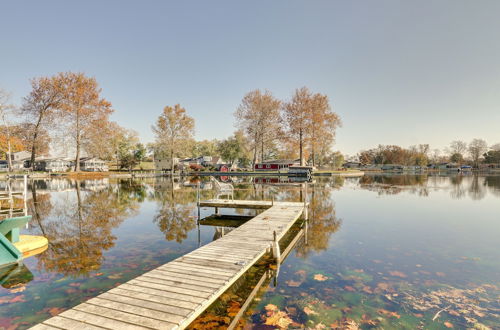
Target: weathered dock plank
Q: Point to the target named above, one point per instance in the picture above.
(174, 294)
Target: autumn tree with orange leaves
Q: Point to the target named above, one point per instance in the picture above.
(82, 108)
(310, 122)
(174, 131)
(39, 108)
(259, 117)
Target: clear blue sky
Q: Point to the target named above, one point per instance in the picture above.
(397, 72)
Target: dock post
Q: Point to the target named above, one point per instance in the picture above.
(25, 197)
(305, 212)
(306, 229)
(276, 248)
(199, 233)
(198, 200)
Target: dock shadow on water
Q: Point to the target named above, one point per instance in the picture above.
(381, 251)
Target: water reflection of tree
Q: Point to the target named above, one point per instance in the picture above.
(79, 226)
(175, 212)
(458, 191)
(323, 221)
(477, 191)
(395, 184)
(493, 184)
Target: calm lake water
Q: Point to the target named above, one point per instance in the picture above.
(392, 252)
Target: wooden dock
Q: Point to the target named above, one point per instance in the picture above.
(175, 294)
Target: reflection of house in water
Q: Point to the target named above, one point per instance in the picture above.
(165, 183)
(53, 185)
(94, 185)
(60, 185)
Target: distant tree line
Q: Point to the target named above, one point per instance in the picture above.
(460, 152)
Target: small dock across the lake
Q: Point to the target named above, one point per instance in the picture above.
(173, 295)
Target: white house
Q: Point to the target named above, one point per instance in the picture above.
(90, 164)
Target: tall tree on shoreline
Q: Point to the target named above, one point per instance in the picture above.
(82, 108)
(259, 117)
(323, 123)
(457, 151)
(477, 148)
(310, 121)
(233, 149)
(6, 110)
(39, 108)
(174, 131)
(296, 118)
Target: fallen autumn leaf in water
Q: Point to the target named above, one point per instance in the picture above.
(320, 277)
(349, 288)
(388, 313)
(397, 274)
(309, 311)
(279, 318)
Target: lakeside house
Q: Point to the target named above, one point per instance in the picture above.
(164, 163)
(195, 163)
(351, 165)
(278, 165)
(392, 167)
(52, 164)
(91, 164)
(20, 159)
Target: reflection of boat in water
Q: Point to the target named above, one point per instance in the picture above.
(15, 275)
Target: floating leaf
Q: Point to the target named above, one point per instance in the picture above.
(388, 313)
(309, 311)
(320, 277)
(271, 307)
(478, 313)
(18, 299)
(397, 274)
(293, 283)
(280, 319)
(383, 286)
(448, 324)
(349, 288)
(55, 311)
(370, 322)
(367, 289)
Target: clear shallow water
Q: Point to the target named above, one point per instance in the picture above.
(382, 251)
